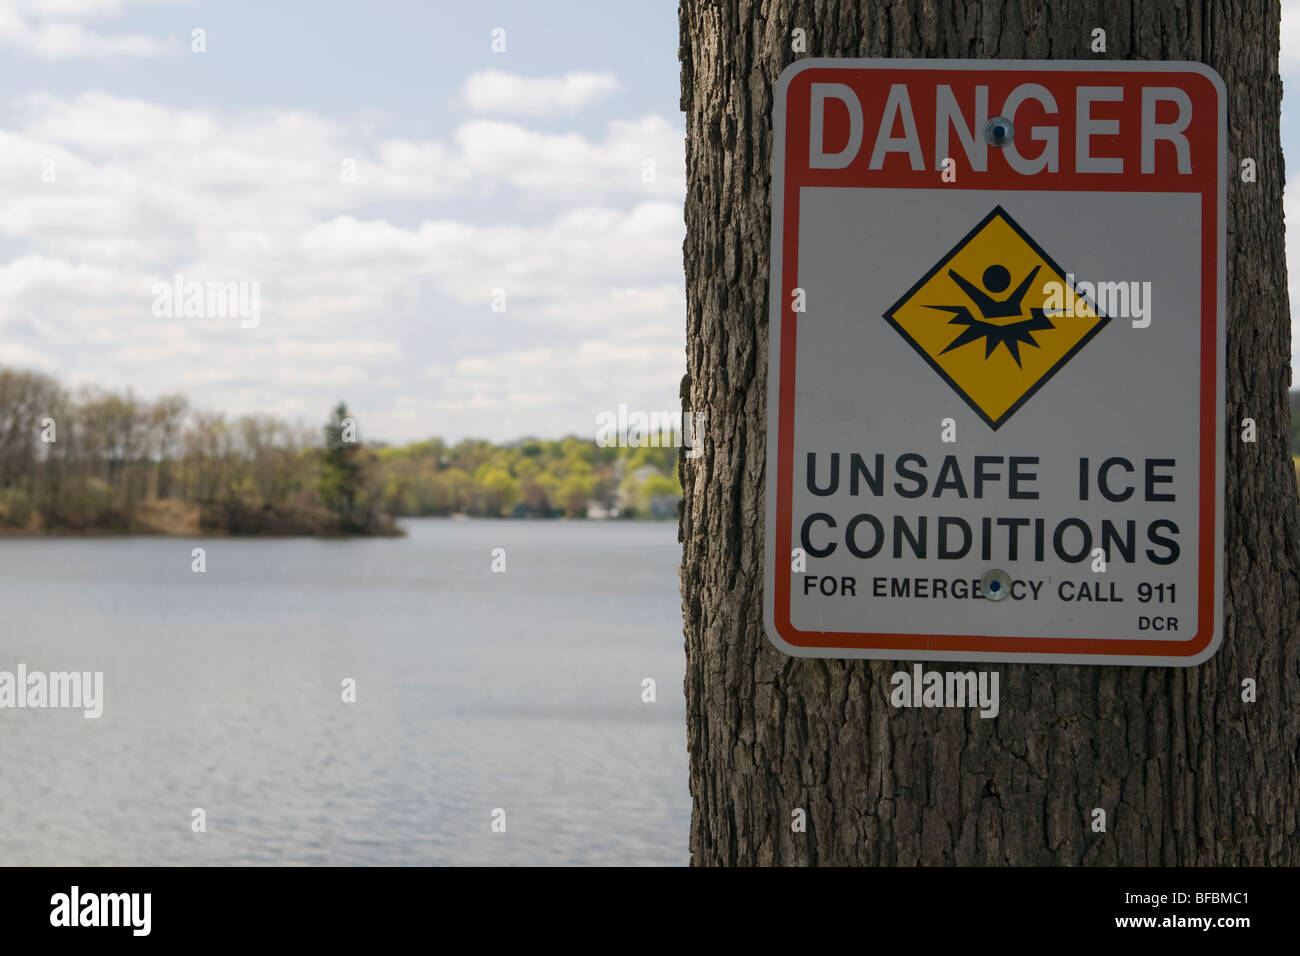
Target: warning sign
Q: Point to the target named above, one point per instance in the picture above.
(999, 344)
(996, 361)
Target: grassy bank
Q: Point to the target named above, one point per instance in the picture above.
(192, 519)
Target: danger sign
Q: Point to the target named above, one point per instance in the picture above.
(1024, 316)
(995, 385)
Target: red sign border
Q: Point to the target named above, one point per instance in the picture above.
(784, 332)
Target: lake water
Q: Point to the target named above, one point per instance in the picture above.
(475, 691)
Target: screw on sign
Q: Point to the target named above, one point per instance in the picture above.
(1089, 412)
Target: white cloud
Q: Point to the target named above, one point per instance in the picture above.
(570, 165)
(548, 391)
(339, 348)
(355, 303)
(133, 168)
(493, 91)
(338, 375)
(628, 306)
(24, 357)
(1290, 39)
(45, 274)
(554, 270)
(49, 29)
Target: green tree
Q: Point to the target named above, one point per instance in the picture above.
(498, 490)
(341, 479)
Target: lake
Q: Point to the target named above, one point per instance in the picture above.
(475, 691)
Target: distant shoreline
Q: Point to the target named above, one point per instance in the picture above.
(97, 463)
(395, 531)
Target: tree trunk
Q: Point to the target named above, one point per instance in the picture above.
(1187, 772)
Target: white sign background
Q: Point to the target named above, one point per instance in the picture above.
(861, 387)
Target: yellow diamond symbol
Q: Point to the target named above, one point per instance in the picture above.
(996, 318)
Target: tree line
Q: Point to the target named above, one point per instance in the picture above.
(103, 461)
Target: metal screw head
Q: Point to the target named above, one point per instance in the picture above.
(999, 131)
(995, 585)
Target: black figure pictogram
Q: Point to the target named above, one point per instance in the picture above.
(996, 278)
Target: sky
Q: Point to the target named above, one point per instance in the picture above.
(380, 172)
(456, 240)
(1289, 63)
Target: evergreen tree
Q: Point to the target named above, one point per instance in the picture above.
(341, 477)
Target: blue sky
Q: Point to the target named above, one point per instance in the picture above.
(473, 171)
(1290, 67)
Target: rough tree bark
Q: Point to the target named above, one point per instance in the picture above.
(1188, 773)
